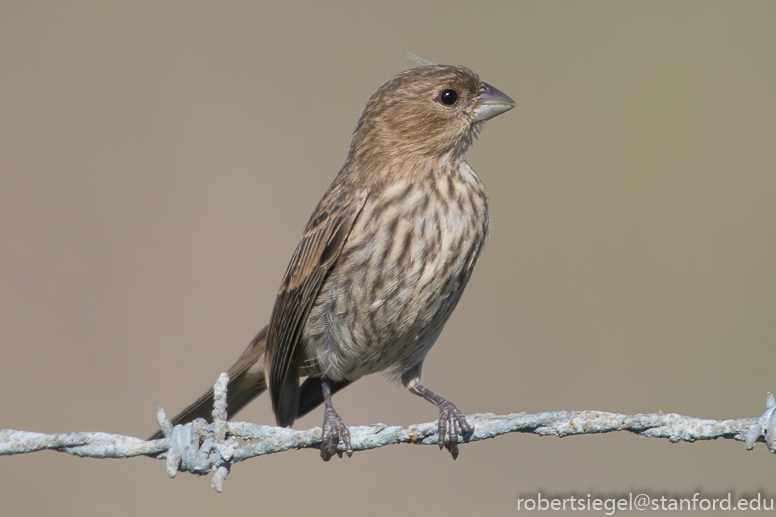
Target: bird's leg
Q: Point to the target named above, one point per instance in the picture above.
(451, 419)
(333, 429)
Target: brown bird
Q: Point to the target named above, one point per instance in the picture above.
(383, 260)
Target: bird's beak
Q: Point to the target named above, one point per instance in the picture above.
(491, 102)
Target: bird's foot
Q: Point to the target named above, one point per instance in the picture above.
(451, 422)
(333, 431)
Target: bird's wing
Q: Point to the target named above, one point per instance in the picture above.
(314, 257)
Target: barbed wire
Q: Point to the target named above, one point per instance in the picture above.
(201, 448)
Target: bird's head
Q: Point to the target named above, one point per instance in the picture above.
(430, 110)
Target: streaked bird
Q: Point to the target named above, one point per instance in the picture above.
(383, 260)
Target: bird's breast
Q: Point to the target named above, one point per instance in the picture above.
(401, 273)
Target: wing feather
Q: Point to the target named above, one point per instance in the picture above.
(315, 255)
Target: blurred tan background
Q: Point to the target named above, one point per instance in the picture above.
(159, 160)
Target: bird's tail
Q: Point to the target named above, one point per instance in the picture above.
(246, 382)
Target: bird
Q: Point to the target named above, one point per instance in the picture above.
(382, 261)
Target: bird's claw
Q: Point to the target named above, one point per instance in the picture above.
(451, 422)
(332, 431)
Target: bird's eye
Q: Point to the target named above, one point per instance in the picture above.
(448, 97)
